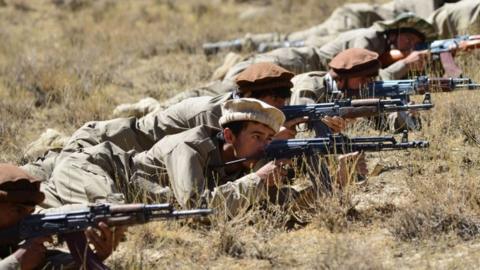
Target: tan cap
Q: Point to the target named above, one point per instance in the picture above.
(249, 109)
(407, 21)
(355, 62)
(16, 186)
(264, 76)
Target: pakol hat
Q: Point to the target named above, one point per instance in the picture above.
(354, 62)
(264, 76)
(408, 22)
(249, 109)
(16, 186)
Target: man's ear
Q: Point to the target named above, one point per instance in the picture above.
(228, 135)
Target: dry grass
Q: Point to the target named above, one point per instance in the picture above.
(65, 62)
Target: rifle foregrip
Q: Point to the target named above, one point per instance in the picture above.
(365, 102)
(363, 111)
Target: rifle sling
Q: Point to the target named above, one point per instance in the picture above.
(451, 68)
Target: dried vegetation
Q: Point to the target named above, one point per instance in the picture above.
(65, 62)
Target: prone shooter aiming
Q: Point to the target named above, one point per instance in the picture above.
(70, 225)
(443, 49)
(350, 109)
(79, 220)
(333, 145)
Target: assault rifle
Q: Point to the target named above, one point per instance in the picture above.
(440, 49)
(79, 220)
(229, 45)
(269, 46)
(354, 108)
(70, 226)
(332, 145)
(402, 89)
(337, 144)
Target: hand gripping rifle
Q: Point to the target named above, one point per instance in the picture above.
(337, 144)
(442, 49)
(114, 215)
(71, 224)
(350, 109)
(312, 148)
(333, 145)
(353, 108)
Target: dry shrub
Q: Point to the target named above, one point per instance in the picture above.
(447, 196)
(344, 253)
(84, 57)
(13, 117)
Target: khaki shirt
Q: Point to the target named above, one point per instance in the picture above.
(192, 160)
(309, 88)
(421, 8)
(305, 59)
(366, 38)
(457, 19)
(183, 163)
(297, 60)
(185, 115)
(136, 134)
(141, 134)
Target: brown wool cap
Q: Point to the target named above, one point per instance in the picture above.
(16, 186)
(264, 76)
(355, 62)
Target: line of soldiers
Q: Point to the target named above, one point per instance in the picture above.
(179, 154)
(307, 55)
(183, 153)
(449, 20)
(403, 31)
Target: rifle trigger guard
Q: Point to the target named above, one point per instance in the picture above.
(405, 136)
(427, 99)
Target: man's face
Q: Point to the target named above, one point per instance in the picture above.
(359, 82)
(12, 213)
(275, 101)
(354, 83)
(251, 141)
(407, 41)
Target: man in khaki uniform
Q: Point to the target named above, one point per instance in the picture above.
(403, 33)
(344, 18)
(457, 19)
(263, 81)
(188, 165)
(268, 82)
(349, 71)
(19, 194)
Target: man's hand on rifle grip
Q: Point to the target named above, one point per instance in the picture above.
(288, 130)
(105, 239)
(274, 172)
(336, 124)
